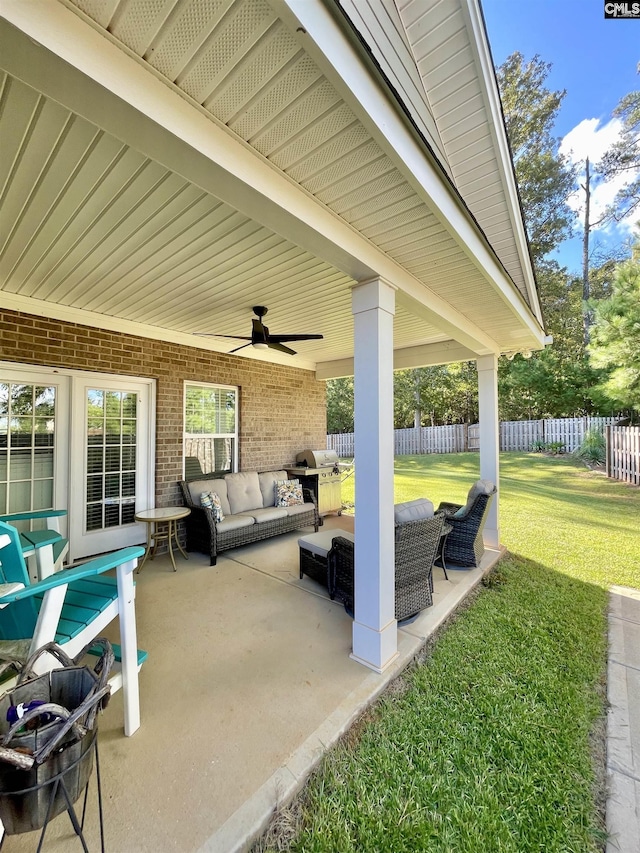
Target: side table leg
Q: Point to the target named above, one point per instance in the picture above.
(172, 534)
(175, 535)
(444, 565)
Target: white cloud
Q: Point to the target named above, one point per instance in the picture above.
(592, 139)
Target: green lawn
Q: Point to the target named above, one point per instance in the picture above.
(491, 743)
(552, 509)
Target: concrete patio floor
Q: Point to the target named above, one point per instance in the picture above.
(248, 681)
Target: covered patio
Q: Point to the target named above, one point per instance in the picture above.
(248, 681)
(168, 166)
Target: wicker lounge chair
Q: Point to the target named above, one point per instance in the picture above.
(416, 545)
(464, 545)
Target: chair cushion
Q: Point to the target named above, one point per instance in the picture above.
(321, 543)
(243, 491)
(289, 493)
(480, 487)
(197, 487)
(413, 510)
(268, 480)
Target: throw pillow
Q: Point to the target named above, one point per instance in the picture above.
(217, 507)
(211, 501)
(276, 487)
(288, 493)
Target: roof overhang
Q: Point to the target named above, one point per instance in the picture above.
(57, 53)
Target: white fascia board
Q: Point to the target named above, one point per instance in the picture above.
(82, 317)
(489, 85)
(142, 110)
(446, 352)
(326, 42)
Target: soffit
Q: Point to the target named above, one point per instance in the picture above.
(447, 60)
(240, 62)
(99, 227)
(90, 224)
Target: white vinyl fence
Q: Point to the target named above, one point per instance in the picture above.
(623, 453)
(568, 432)
(451, 438)
(455, 438)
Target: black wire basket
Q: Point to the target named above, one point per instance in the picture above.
(46, 756)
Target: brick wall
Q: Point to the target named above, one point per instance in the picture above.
(282, 409)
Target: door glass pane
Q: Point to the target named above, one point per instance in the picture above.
(27, 440)
(112, 427)
(19, 496)
(43, 494)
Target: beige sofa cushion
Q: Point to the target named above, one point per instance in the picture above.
(298, 508)
(218, 487)
(234, 522)
(267, 481)
(243, 491)
(269, 513)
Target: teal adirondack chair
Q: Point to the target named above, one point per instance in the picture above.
(72, 607)
(41, 561)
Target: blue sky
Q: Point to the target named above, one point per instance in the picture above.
(594, 59)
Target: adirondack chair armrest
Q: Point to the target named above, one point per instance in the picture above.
(34, 513)
(66, 576)
(39, 538)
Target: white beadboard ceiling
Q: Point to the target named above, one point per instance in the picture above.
(93, 222)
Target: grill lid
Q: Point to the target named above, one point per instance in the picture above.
(317, 458)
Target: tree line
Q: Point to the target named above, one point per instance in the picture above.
(593, 365)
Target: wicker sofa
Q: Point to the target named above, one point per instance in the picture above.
(248, 502)
(417, 537)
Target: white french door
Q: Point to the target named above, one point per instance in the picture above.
(34, 425)
(80, 441)
(111, 470)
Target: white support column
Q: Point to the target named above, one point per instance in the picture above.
(375, 634)
(490, 441)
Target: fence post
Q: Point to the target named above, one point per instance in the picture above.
(607, 451)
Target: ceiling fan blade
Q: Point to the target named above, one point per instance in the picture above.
(215, 335)
(282, 338)
(275, 345)
(240, 347)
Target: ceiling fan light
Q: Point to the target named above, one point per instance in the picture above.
(261, 345)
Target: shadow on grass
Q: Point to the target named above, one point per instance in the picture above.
(492, 740)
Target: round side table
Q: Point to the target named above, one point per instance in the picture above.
(155, 518)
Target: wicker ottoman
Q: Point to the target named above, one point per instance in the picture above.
(314, 549)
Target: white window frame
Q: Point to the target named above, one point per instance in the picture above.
(204, 436)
